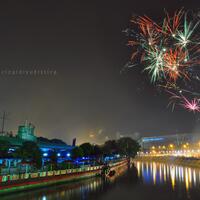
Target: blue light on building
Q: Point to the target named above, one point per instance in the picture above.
(45, 154)
(152, 139)
(26, 133)
(68, 154)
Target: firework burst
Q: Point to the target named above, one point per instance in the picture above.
(170, 52)
(192, 105)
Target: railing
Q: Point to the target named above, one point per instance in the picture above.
(43, 174)
(117, 163)
(25, 176)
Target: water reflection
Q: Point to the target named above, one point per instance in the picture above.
(159, 173)
(77, 190)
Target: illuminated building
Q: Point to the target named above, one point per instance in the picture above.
(169, 141)
(26, 133)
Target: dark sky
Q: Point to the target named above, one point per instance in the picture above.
(83, 41)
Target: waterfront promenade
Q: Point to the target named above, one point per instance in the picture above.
(19, 182)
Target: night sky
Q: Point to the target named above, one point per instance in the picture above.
(88, 98)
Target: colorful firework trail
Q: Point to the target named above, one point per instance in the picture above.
(170, 52)
(192, 105)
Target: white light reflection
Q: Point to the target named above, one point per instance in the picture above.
(176, 176)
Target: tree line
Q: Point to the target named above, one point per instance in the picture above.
(30, 151)
(123, 146)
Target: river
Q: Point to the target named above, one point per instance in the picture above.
(143, 181)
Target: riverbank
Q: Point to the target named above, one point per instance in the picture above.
(16, 182)
(183, 161)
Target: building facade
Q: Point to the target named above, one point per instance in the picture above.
(165, 141)
(26, 133)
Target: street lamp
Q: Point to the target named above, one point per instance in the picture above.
(184, 146)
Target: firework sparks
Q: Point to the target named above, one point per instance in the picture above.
(169, 50)
(191, 105)
(185, 37)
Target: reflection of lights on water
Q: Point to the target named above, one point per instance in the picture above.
(95, 184)
(172, 175)
(182, 174)
(151, 168)
(62, 194)
(176, 172)
(186, 179)
(138, 168)
(44, 198)
(194, 178)
(165, 175)
(147, 165)
(167, 170)
(179, 174)
(156, 173)
(160, 172)
(142, 166)
(190, 175)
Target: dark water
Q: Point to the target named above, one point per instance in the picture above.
(145, 181)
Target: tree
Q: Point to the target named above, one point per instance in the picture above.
(87, 149)
(77, 152)
(110, 147)
(97, 151)
(4, 147)
(53, 159)
(127, 146)
(30, 152)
